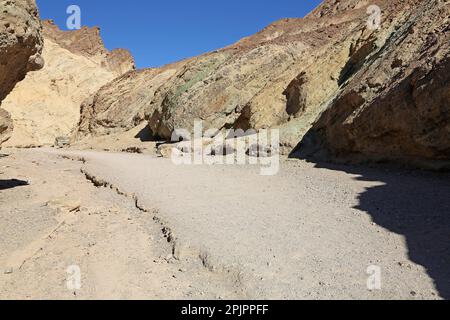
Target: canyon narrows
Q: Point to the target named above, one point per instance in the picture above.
(89, 178)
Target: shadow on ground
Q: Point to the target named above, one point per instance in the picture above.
(12, 183)
(415, 204)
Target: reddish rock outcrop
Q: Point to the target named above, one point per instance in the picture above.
(87, 42)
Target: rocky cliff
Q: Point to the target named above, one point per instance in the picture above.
(123, 104)
(46, 105)
(87, 42)
(245, 85)
(20, 48)
(364, 87)
(396, 105)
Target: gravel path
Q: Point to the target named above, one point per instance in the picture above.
(307, 232)
(53, 221)
(141, 227)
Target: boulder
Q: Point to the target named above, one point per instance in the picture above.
(20, 48)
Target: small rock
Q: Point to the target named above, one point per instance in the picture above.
(61, 142)
(9, 271)
(165, 150)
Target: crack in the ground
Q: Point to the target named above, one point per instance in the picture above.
(100, 183)
(234, 276)
(166, 231)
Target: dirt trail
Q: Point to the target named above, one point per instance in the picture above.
(52, 218)
(307, 232)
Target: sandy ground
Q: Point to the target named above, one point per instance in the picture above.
(52, 218)
(140, 227)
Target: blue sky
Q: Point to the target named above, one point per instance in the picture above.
(160, 32)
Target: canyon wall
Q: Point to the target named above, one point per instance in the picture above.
(20, 48)
(250, 84)
(46, 105)
(396, 105)
(338, 84)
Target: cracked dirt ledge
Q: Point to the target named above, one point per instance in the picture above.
(53, 218)
(178, 250)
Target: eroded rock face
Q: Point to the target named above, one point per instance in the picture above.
(20, 48)
(241, 86)
(122, 104)
(87, 42)
(6, 125)
(396, 105)
(46, 105)
(370, 93)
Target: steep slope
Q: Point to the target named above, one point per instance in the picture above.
(397, 105)
(20, 48)
(46, 105)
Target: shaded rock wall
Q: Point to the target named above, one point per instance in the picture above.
(396, 107)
